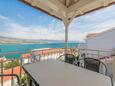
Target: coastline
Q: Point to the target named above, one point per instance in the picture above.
(9, 48)
(20, 43)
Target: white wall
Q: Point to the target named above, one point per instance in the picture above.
(103, 41)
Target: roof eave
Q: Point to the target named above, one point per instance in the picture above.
(39, 9)
(60, 18)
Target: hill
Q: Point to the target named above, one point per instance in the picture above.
(8, 40)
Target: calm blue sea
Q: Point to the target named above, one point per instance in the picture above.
(5, 48)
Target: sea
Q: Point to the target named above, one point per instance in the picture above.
(8, 48)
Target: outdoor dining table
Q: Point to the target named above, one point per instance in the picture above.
(58, 73)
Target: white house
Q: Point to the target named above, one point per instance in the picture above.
(104, 41)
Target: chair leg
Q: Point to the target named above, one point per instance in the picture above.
(112, 81)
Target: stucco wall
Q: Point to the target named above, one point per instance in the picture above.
(104, 41)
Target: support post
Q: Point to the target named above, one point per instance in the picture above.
(67, 21)
(66, 40)
(66, 43)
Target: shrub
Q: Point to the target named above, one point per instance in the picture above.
(11, 64)
(25, 80)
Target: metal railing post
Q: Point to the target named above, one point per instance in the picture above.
(28, 60)
(20, 69)
(12, 70)
(98, 54)
(86, 53)
(56, 54)
(51, 55)
(2, 73)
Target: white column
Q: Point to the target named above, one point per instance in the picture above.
(66, 39)
(67, 22)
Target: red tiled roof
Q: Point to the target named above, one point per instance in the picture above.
(1, 59)
(47, 51)
(26, 55)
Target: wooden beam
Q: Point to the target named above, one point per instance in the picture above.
(78, 5)
(63, 10)
(59, 5)
(53, 7)
(67, 2)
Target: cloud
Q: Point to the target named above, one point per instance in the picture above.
(94, 22)
(4, 18)
(13, 29)
(20, 16)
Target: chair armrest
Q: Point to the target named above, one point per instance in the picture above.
(2, 75)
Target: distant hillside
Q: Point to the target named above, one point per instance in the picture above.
(8, 40)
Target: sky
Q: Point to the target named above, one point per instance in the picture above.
(18, 20)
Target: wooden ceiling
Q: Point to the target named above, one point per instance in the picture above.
(69, 3)
(67, 9)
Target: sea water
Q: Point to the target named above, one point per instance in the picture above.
(6, 48)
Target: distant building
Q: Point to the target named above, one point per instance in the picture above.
(2, 59)
(101, 41)
(104, 41)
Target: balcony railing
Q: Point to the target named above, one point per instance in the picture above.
(99, 54)
(14, 66)
(36, 56)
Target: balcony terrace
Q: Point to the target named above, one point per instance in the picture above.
(40, 69)
(25, 74)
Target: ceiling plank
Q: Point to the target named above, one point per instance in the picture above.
(81, 3)
(67, 2)
(58, 4)
(59, 10)
(94, 4)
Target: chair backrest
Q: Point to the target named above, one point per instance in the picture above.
(92, 64)
(69, 58)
